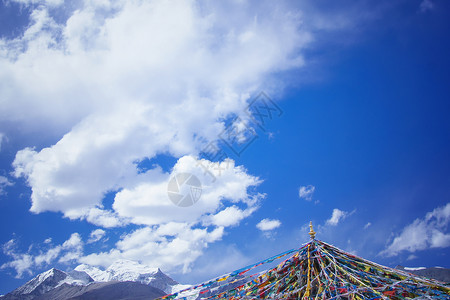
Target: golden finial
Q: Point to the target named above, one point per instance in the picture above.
(312, 233)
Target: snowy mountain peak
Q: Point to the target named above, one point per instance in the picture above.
(85, 277)
(51, 279)
(95, 273)
(128, 270)
(42, 282)
(414, 269)
(120, 270)
(52, 272)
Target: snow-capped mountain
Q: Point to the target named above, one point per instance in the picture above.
(86, 280)
(438, 273)
(121, 270)
(47, 281)
(127, 270)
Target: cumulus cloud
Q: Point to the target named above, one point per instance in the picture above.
(147, 203)
(337, 216)
(120, 82)
(428, 232)
(96, 235)
(167, 246)
(230, 216)
(176, 236)
(171, 237)
(104, 218)
(126, 89)
(23, 263)
(306, 192)
(268, 224)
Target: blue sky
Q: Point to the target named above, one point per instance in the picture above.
(103, 103)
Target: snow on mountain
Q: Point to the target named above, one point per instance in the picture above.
(438, 273)
(86, 278)
(179, 287)
(49, 280)
(414, 269)
(127, 270)
(77, 278)
(94, 272)
(121, 270)
(43, 281)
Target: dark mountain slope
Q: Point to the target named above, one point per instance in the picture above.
(117, 290)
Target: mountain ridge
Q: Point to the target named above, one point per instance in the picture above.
(88, 282)
(47, 281)
(438, 273)
(128, 270)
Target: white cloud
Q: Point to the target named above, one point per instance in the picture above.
(175, 238)
(4, 182)
(167, 246)
(367, 225)
(306, 192)
(426, 5)
(426, 233)
(268, 224)
(23, 263)
(148, 203)
(123, 81)
(337, 216)
(125, 89)
(104, 218)
(230, 216)
(96, 235)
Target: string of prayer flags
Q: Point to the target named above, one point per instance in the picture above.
(318, 271)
